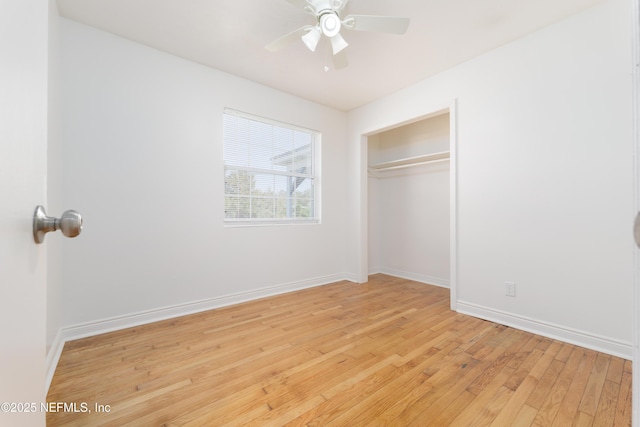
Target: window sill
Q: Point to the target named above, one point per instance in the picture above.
(267, 223)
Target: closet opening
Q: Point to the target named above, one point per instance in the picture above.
(411, 200)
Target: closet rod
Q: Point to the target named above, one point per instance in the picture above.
(407, 166)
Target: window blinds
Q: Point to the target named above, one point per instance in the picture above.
(269, 170)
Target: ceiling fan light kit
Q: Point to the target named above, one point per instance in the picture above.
(311, 38)
(329, 24)
(338, 43)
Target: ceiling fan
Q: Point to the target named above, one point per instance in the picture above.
(329, 23)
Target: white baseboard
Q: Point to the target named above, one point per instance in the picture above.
(53, 356)
(572, 336)
(351, 277)
(583, 339)
(429, 280)
(97, 327)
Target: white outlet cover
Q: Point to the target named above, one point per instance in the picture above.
(510, 289)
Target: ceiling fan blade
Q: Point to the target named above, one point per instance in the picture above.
(307, 6)
(384, 24)
(287, 39)
(340, 60)
(339, 5)
(298, 3)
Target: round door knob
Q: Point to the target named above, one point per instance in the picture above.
(70, 223)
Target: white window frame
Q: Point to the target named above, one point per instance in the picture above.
(314, 176)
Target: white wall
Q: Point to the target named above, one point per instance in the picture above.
(143, 164)
(409, 208)
(544, 177)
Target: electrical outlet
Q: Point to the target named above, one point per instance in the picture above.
(510, 289)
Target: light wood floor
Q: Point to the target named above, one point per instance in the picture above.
(389, 352)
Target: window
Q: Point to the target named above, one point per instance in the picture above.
(269, 171)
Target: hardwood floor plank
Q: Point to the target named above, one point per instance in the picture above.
(565, 352)
(616, 368)
(606, 413)
(508, 414)
(623, 408)
(445, 389)
(388, 352)
(331, 408)
(487, 412)
(525, 417)
(487, 377)
(593, 390)
(546, 382)
(347, 402)
(370, 409)
(556, 394)
(428, 389)
(482, 408)
(444, 414)
(583, 420)
(569, 407)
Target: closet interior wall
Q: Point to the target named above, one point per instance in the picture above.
(409, 201)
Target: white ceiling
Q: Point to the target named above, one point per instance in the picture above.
(230, 35)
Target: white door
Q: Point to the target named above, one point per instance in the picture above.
(635, 27)
(23, 167)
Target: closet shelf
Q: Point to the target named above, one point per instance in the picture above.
(410, 161)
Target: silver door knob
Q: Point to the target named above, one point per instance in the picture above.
(70, 223)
